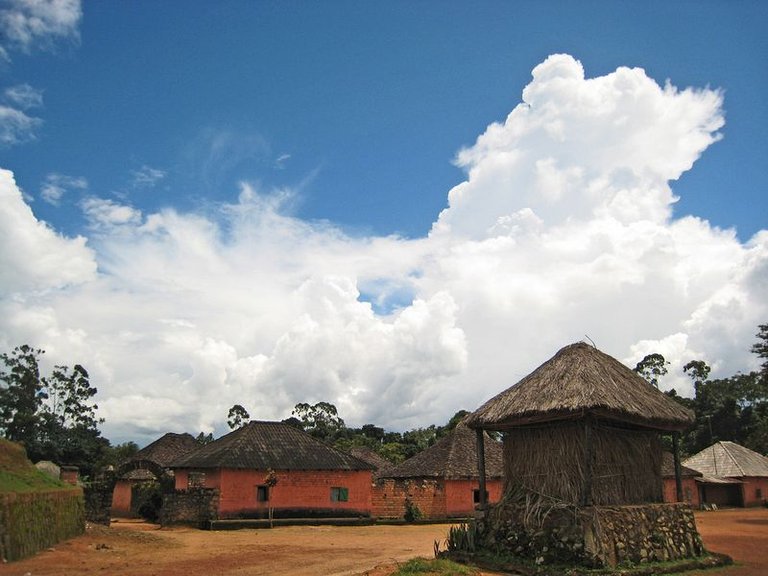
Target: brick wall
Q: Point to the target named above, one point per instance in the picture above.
(298, 493)
(755, 491)
(690, 491)
(435, 498)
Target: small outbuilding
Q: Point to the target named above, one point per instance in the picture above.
(146, 470)
(582, 464)
(441, 481)
(273, 465)
(731, 475)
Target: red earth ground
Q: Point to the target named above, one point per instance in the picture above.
(131, 548)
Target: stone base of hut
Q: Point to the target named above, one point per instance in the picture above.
(594, 536)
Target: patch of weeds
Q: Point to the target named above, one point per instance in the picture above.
(437, 567)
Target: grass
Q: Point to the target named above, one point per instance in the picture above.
(437, 567)
(17, 474)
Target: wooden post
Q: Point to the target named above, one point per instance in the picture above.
(481, 469)
(589, 449)
(678, 469)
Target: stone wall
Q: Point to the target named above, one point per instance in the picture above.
(599, 536)
(195, 506)
(98, 501)
(34, 521)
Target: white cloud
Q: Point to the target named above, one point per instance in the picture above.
(33, 258)
(564, 228)
(24, 96)
(107, 214)
(56, 185)
(29, 24)
(16, 127)
(147, 177)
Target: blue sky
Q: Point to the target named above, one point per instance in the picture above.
(367, 103)
(398, 207)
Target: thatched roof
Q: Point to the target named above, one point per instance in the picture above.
(668, 468)
(265, 445)
(728, 460)
(453, 457)
(379, 463)
(581, 380)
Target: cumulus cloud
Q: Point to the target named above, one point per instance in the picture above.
(33, 258)
(24, 96)
(564, 228)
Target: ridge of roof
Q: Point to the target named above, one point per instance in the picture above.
(265, 444)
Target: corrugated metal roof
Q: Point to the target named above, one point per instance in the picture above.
(265, 445)
(728, 460)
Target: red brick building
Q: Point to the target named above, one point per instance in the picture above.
(160, 452)
(732, 475)
(688, 478)
(442, 481)
(313, 479)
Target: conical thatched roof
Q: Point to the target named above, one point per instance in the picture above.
(581, 380)
(265, 445)
(453, 457)
(728, 460)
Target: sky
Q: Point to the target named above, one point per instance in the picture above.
(401, 208)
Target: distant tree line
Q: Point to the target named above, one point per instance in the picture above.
(733, 408)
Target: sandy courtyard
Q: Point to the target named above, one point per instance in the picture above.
(136, 549)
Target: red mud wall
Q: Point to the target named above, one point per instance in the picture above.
(121, 498)
(690, 491)
(296, 490)
(755, 491)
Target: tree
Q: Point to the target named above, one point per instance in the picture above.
(22, 392)
(204, 438)
(237, 417)
(652, 367)
(761, 349)
(321, 420)
(53, 416)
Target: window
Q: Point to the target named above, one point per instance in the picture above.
(476, 496)
(196, 480)
(339, 494)
(262, 493)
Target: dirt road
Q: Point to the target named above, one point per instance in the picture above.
(135, 549)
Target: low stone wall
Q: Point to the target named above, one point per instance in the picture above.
(598, 536)
(196, 506)
(34, 521)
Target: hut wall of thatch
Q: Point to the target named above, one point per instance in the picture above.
(551, 461)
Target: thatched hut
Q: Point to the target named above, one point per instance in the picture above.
(584, 429)
(582, 432)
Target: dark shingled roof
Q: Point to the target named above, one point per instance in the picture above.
(265, 445)
(373, 458)
(668, 468)
(581, 380)
(162, 451)
(453, 457)
(729, 460)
